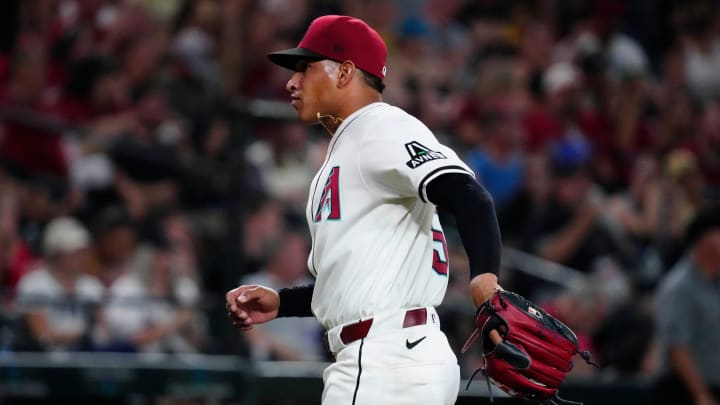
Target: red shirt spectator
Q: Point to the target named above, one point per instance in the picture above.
(30, 129)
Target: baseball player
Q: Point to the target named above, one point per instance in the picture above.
(378, 253)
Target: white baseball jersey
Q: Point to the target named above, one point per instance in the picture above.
(377, 244)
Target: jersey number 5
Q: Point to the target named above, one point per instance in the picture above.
(440, 253)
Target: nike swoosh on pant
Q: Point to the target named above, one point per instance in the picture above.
(410, 344)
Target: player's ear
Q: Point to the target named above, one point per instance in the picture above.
(345, 73)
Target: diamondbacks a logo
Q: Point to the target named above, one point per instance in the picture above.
(420, 154)
(330, 198)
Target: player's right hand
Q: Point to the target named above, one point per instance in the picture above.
(248, 305)
(482, 287)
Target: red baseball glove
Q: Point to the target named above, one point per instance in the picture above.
(534, 353)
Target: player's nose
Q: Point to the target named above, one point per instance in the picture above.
(294, 83)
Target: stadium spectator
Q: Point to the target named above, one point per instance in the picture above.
(209, 181)
(677, 123)
(498, 160)
(151, 308)
(700, 47)
(31, 128)
(687, 315)
(16, 255)
(530, 202)
(263, 227)
(571, 230)
(115, 244)
(555, 116)
(619, 130)
(147, 159)
(195, 42)
(58, 301)
(683, 191)
(291, 338)
(286, 163)
(707, 147)
(176, 228)
(622, 354)
(635, 218)
(94, 91)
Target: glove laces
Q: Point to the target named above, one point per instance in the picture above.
(556, 400)
(487, 380)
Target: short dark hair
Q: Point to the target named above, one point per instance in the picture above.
(373, 81)
(705, 220)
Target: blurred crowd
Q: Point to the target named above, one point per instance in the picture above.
(144, 170)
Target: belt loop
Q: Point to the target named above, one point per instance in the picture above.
(355, 331)
(414, 317)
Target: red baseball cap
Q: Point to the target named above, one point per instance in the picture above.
(339, 38)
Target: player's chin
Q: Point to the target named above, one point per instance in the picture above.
(306, 116)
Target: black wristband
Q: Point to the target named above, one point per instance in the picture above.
(296, 301)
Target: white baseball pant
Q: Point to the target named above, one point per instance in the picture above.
(393, 364)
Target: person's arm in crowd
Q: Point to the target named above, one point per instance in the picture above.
(154, 333)
(261, 340)
(561, 245)
(41, 330)
(643, 223)
(687, 372)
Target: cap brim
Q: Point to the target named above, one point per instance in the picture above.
(290, 57)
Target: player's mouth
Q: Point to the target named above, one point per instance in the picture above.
(295, 101)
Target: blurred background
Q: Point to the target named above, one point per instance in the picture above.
(149, 161)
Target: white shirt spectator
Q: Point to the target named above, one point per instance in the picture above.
(701, 70)
(66, 313)
(131, 308)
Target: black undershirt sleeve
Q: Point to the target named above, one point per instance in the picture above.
(296, 301)
(474, 213)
